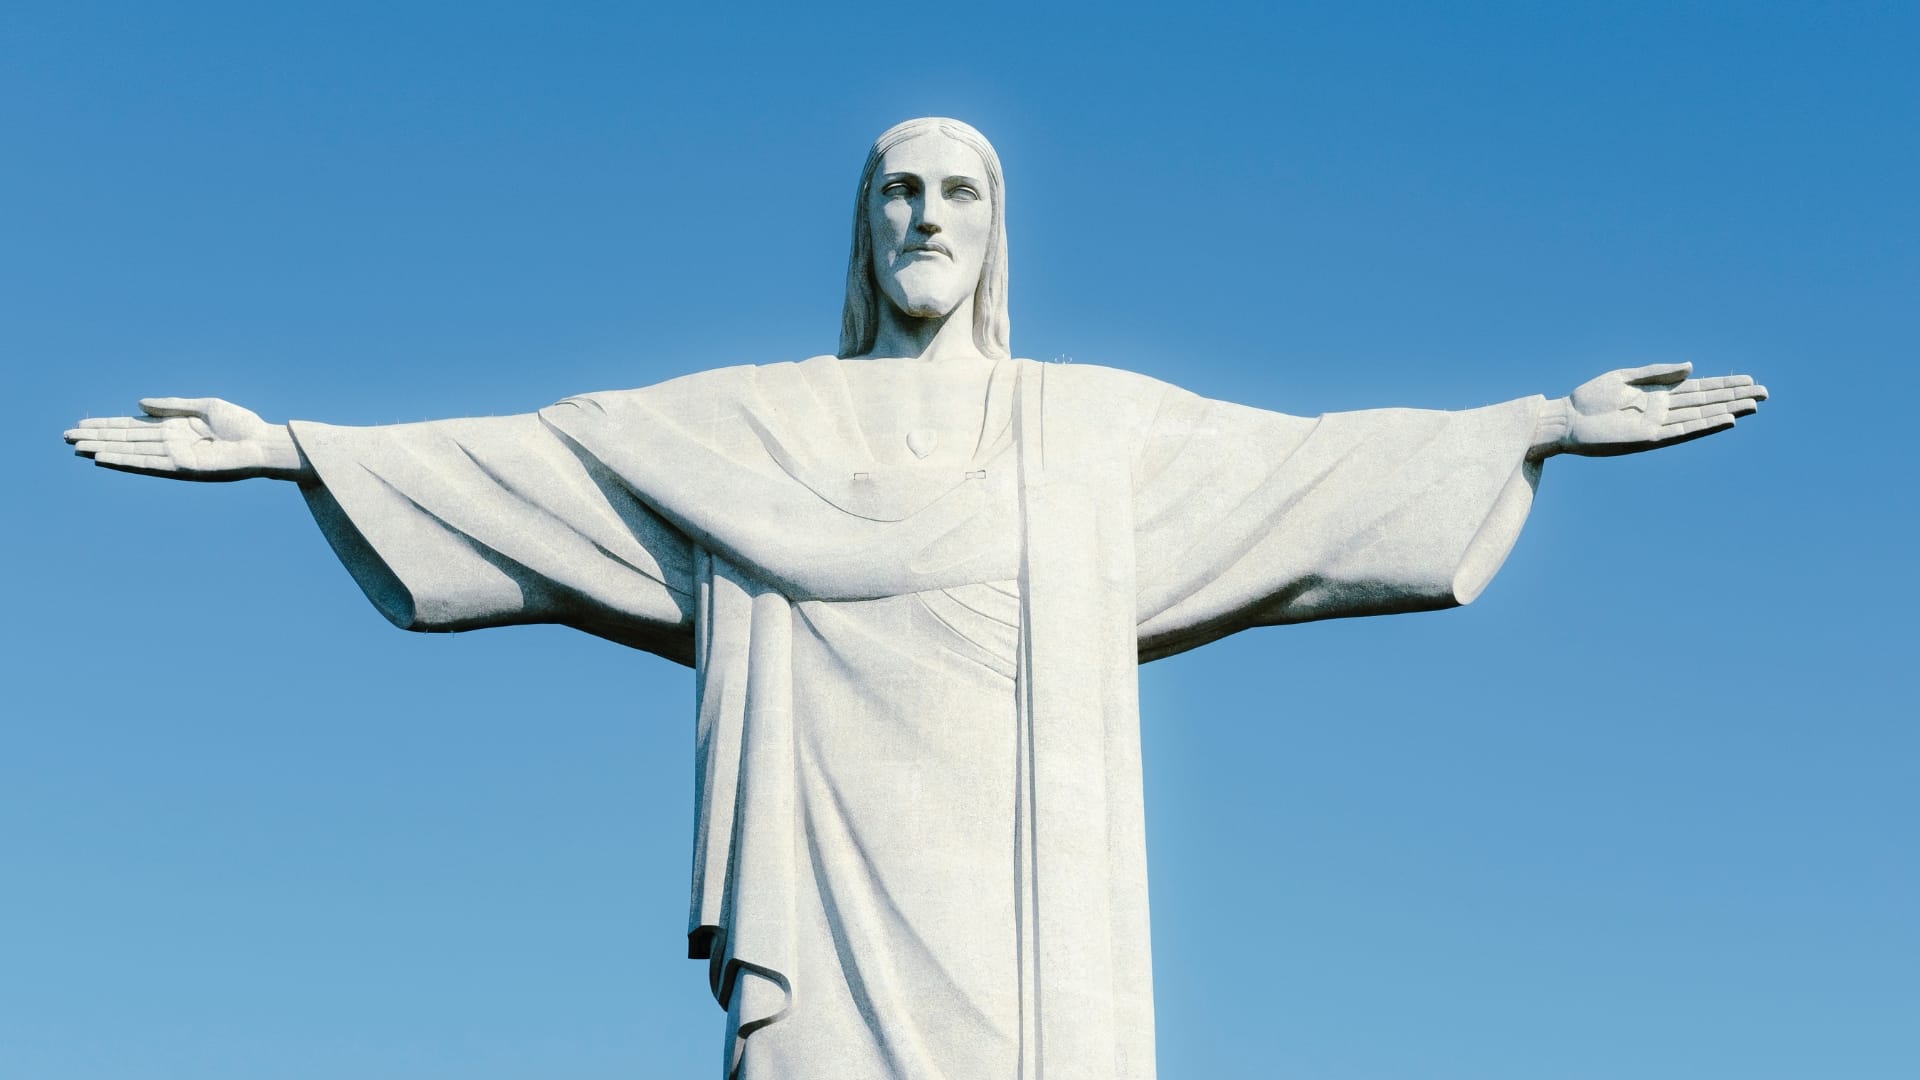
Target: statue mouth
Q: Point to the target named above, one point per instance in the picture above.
(927, 247)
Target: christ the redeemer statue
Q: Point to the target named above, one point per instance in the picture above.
(914, 581)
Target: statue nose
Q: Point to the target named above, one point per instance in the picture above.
(928, 227)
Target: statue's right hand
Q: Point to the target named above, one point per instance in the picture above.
(191, 439)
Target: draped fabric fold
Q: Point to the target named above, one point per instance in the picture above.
(903, 670)
(1087, 979)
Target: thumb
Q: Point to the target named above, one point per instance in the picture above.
(1658, 374)
(177, 406)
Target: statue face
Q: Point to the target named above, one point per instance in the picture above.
(929, 219)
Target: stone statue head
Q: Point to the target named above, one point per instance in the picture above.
(904, 284)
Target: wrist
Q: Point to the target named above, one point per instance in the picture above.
(284, 459)
(1552, 429)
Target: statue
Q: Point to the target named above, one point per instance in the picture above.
(914, 581)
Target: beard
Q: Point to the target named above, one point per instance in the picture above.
(926, 288)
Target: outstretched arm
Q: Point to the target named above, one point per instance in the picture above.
(192, 439)
(1643, 408)
(448, 524)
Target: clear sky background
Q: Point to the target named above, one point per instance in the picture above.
(1648, 809)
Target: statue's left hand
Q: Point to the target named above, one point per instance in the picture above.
(192, 439)
(1645, 408)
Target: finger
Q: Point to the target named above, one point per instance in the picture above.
(136, 463)
(177, 406)
(1657, 374)
(150, 431)
(1706, 424)
(89, 447)
(1713, 397)
(1725, 408)
(1716, 382)
(101, 423)
(1694, 429)
(1682, 397)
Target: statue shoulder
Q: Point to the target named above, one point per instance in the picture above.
(699, 390)
(1105, 406)
(1099, 379)
(1126, 397)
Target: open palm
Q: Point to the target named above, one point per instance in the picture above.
(1645, 408)
(188, 439)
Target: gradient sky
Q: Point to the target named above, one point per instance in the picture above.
(1648, 809)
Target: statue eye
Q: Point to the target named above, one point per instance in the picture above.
(898, 189)
(963, 192)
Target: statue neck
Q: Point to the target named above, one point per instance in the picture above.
(945, 337)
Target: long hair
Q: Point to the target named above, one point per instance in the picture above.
(860, 319)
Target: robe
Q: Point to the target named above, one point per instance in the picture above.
(920, 845)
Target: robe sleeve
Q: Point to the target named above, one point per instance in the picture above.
(461, 524)
(1251, 518)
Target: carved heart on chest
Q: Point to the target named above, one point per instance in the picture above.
(921, 441)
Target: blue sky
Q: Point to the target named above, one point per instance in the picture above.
(1646, 809)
